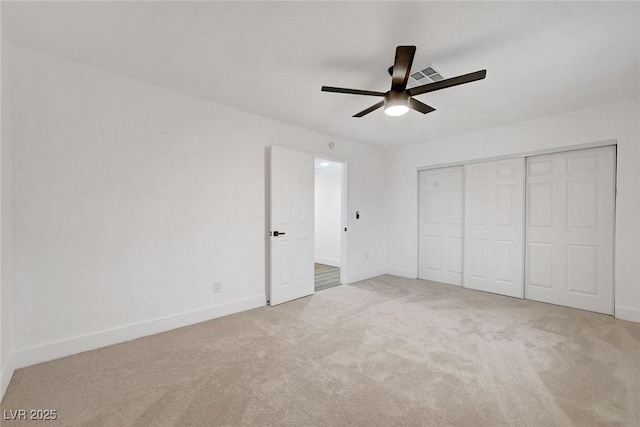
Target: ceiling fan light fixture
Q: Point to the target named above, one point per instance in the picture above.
(396, 104)
(396, 110)
(399, 99)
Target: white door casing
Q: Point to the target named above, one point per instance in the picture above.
(570, 228)
(494, 227)
(441, 211)
(292, 210)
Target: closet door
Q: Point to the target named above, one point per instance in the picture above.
(440, 225)
(570, 229)
(494, 227)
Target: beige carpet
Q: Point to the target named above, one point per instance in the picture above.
(383, 352)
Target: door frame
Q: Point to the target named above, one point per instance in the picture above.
(344, 215)
(551, 150)
(525, 154)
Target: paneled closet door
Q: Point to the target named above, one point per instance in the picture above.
(440, 225)
(570, 228)
(494, 227)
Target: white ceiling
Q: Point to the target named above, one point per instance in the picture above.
(271, 58)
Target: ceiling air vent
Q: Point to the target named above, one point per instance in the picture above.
(424, 76)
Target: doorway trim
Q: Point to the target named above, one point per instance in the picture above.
(519, 154)
(525, 155)
(344, 216)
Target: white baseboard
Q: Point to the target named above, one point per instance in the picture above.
(365, 275)
(333, 262)
(66, 347)
(409, 274)
(6, 374)
(627, 313)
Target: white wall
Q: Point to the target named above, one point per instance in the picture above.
(617, 121)
(328, 194)
(130, 200)
(6, 301)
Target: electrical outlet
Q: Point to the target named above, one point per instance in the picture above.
(217, 287)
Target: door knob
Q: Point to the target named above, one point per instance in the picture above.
(278, 233)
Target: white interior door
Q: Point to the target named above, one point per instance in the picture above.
(440, 225)
(292, 204)
(494, 227)
(570, 228)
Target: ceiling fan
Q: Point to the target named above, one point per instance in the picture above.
(399, 99)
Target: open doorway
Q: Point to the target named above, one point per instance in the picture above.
(330, 225)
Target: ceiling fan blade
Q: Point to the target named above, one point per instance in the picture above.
(443, 84)
(351, 91)
(370, 109)
(419, 106)
(402, 67)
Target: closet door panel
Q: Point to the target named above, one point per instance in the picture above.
(493, 227)
(570, 228)
(441, 213)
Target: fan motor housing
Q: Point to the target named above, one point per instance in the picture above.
(396, 98)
